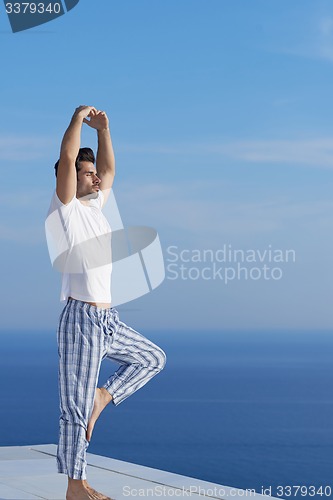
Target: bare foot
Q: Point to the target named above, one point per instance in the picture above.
(102, 399)
(98, 495)
(80, 490)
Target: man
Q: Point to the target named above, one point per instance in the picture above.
(89, 328)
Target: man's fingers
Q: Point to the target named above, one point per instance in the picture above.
(94, 115)
(88, 122)
(87, 111)
(93, 111)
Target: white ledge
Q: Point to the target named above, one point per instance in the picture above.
(29, 472)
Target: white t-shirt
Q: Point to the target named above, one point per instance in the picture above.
(79, 243)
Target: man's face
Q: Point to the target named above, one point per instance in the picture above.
(87, 180)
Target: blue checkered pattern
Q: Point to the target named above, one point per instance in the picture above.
(86, 335)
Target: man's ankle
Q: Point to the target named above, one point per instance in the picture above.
(106, 395)
(77, 483)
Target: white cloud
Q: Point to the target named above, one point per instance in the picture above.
(37, 199)
(313, 152)
(179, 209)
(316, 41)
(193, 210)
(326, 27)
(317, 152)
(24, 234)
(25, 215)
(27, 147)
(324, 44)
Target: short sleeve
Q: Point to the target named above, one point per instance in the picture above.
(56, 226)
(58, 203)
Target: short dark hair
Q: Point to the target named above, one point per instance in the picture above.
(85, 154)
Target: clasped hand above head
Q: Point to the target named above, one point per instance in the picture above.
(97, 119)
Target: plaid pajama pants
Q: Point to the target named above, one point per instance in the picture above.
(86, 335)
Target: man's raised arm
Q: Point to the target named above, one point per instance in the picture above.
(105, 160)
(66, 175)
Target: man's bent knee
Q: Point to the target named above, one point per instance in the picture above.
(161, 359)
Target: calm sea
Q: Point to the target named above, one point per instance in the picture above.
(249, 410)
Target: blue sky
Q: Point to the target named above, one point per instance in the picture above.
(221, 119)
